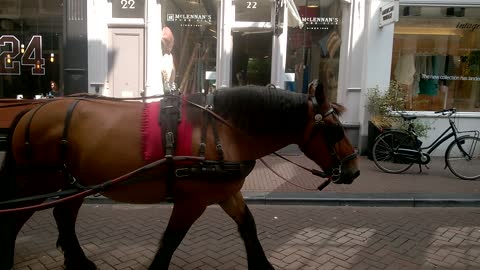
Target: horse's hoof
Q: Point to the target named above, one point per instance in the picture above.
(84, 264)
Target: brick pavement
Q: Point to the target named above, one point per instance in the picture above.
(120, 236)
(436, 180)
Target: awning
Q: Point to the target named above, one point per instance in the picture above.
(294, 19)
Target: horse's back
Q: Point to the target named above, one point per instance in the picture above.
(95, 133)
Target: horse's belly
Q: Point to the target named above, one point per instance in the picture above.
(140, 193)
(154, 191)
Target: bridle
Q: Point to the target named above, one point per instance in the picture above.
(332, 137)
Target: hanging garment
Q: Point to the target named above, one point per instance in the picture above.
(405, 69)
(430, 86)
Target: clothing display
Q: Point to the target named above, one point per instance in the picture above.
(405, 69)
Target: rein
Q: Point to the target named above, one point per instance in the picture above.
(85, 191)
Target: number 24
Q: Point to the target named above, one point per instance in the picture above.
(9, 65)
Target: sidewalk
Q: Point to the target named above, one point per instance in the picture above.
(433, 187)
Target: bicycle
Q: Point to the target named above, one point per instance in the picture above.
(396, 150)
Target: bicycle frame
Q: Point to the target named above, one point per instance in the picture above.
(441, 139)
(445, 136)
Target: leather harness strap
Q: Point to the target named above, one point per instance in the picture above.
(28, 146)
(207, 119)
(170, 116)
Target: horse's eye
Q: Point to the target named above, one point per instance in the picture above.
(335, 132)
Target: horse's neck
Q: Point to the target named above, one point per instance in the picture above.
(245, 147)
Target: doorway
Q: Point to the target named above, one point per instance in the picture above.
(125, 62)
(251, 58)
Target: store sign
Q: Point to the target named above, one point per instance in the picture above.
(389, 13)
(468, 26)
(190, 19)
(14, 55)
(128, 8)
(321, 20)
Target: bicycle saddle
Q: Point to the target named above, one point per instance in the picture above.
(408, 117)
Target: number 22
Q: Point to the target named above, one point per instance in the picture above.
(251, 4)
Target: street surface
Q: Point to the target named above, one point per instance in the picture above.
(121, 236)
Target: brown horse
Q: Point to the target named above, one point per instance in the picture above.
(88, 141)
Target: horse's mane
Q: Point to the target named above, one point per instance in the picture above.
(260, 110)
(339, 108)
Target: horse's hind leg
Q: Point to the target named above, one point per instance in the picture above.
(10, 226)
(66, 216)
(182, 218)
(236, 208)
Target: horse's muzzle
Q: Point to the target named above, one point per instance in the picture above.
(348, 175)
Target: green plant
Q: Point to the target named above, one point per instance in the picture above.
(382, 106)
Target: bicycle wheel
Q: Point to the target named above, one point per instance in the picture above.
(463, 157)
(384, 151)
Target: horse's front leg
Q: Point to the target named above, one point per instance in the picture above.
(184, 214)
(66, 216)
(236, 208)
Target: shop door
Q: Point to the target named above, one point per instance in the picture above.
(251, 58)
(252, 36)
(125, 62)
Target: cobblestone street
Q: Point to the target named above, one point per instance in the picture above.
(120, 236)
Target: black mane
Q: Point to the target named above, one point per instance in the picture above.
(260, 110)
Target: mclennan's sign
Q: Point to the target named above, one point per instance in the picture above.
(389, 13)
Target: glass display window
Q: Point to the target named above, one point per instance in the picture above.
(30, 48)
(313, 52)
(189, 44)
(436, 57)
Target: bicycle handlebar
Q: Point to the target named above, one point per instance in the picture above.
(451, 110)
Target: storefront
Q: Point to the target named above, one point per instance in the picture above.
(31, 51)
(209, 44)
(129, 48)
(433, 52)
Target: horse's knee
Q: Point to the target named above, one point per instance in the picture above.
(182, 217)
(236, 208)
(66, 217)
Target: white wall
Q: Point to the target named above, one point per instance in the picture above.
(97, 14)
(370, 60)
(99, 20)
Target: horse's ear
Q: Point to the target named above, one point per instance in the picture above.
(320, 94)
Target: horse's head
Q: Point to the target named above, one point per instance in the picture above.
(325, 142)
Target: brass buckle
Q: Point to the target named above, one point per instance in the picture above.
(182, 172)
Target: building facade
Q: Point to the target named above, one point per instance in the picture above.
(129, 48)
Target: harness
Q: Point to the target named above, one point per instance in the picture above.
(196, 166)
(170, 116)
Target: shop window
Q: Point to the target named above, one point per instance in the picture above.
(436, 57)
(313, 51)
(189, 44)
(30, 48)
